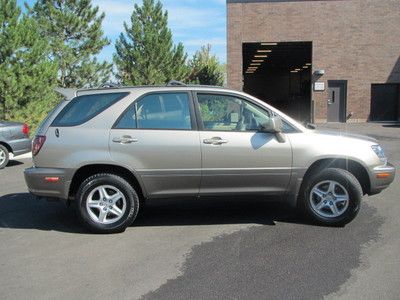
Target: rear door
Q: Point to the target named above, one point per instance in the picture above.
(157, 136)
(236, 158)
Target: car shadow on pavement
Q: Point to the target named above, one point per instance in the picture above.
(13, 163)
(23, 211)
(214, 211)
(391, 125)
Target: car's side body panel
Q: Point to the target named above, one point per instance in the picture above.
(12, 136)
(168, 161)
(249, 162)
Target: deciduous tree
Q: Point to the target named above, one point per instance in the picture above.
(205, 68)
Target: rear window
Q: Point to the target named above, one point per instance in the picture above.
(83, 108)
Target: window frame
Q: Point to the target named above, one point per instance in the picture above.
(73, 124)
(134, 102)
(199, 119)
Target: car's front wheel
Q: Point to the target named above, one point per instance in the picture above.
(4, 157)
(107, 203)
(332, 197)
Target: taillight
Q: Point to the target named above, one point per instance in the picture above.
(37, 144)
(25, 129)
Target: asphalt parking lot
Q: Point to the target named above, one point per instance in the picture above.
(209, 249)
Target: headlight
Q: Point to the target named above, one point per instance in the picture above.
(379, 152)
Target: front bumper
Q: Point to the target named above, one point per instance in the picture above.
(381, 178)
(37, 180)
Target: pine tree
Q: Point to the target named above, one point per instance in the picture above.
(205, 68)
(145, 54)
(73, 28)
(27, 77)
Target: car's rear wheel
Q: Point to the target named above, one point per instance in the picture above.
(332, 197)
(4, 157)
(107, 203)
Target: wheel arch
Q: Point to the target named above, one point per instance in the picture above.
(8, 147)
(88, 170)
(353, 166)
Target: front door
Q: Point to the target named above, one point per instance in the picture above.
(236, 158)
(337, 90)
(157, 137)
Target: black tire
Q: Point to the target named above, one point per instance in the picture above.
(131, 197)
(347, 181)
(4, 151)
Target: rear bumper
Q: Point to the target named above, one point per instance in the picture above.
(381, 178)
(35, 179)
(20, 146)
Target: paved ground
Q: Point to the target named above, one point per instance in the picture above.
(201, 250)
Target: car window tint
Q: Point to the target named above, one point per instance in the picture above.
(83, 108)
(128, 119)
(228, 113)
(158, 111)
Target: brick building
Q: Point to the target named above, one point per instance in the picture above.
(318, 60)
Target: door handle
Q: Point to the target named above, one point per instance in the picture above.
(215, 141)
(126, 139)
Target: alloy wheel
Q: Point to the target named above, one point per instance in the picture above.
(329, 199)
(2, 157)
(106, 204)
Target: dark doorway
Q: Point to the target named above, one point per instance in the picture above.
(385, 102)
(337, 100)
(280, 75)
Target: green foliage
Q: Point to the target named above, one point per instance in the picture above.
(205, 68)
(27, 76)
(145, 53)
(73, 29)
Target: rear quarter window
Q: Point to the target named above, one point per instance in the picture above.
(83, 108)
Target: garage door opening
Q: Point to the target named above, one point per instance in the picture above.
(280, 75)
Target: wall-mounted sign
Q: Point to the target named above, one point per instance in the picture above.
(319, 86)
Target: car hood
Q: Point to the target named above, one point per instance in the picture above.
(7, 123)
(345, 134)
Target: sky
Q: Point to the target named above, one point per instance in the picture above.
(193, 22)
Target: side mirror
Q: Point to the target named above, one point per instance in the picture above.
(274, 125)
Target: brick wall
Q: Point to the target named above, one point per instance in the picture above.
(354, 40)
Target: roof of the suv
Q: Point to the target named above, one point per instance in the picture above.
(147, 88)
(112, 88)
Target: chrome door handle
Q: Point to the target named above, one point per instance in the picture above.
(215, 141)
(126, 139)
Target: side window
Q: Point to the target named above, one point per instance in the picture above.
(83, 108)
(228, 113)
(158, 111)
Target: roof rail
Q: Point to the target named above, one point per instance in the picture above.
(175, 83)
(109, 85)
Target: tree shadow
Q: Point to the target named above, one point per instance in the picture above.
(24, 211)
